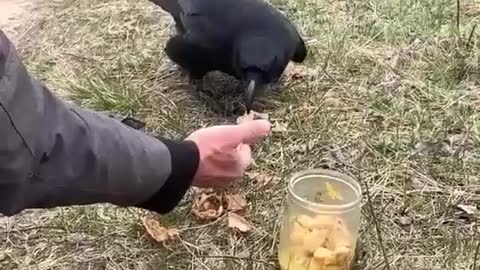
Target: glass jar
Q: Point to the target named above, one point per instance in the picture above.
(320, 222)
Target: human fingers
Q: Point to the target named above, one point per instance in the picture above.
(244, 157)
(246, 133)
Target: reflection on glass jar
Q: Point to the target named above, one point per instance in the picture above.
(320, 222)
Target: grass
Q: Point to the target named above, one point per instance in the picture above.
(392, 97)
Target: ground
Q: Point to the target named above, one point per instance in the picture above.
(391, 97)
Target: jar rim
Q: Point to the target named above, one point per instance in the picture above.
(324, 173)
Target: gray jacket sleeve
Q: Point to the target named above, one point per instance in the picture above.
(54, 154)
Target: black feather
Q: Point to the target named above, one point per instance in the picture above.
(243, 38)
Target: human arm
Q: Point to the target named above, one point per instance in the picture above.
(55, 154)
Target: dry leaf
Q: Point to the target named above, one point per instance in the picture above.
(251, 116)
(157, 232)
(262, 179)
(429, 148)
(236, 202)
(238, 222)
(468, 209)
(207, 206)
(293, 72)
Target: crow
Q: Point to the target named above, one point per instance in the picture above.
(247, 39)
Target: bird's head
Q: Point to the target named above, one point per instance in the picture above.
(253, 79)
(257, 59)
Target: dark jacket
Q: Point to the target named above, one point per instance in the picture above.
(55, 154)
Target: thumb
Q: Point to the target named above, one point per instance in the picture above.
(248, 132)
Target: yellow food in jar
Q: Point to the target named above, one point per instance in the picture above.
(317, 243)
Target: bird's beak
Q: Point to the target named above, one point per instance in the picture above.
(249, 95)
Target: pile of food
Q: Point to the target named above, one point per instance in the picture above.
(317, 243)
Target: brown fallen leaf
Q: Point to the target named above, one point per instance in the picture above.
(236, 202)
(159, 233)
(207, 206)
(262, 179)
(252, 116)
(235, 221)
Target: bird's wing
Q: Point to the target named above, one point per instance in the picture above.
(210, 23)
(294, 38)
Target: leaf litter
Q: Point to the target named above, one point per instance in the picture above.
(157, 232)
(209, 206)
(235, 221)
(235, 202)
(262, 179)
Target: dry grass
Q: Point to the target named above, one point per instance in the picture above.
(393, 98)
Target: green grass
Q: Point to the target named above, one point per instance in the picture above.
(392, 97)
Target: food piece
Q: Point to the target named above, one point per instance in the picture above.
(298, 233)
(314, 239)
(333, 193)
(253, 115)
(324, 256)
(335, 267)
(326, 222)
(342, 255)
(294, 257)
(300, 251)
(339, 236)
(322, 242)
(283, 258)
(306, 221)
(297, 262)
(316, 265)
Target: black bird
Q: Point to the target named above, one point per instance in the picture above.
(247, 39)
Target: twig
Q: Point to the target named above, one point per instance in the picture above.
(186, 245)
(201, 226)
(377, 227)
(470, 37)
(475, 257)
(234, 258)
(458, 15)
(367, 228)
(19, 230)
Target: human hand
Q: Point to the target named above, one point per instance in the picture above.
(225, 153)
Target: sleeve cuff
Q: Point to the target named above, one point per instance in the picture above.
(4, 50)
(185, 158)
